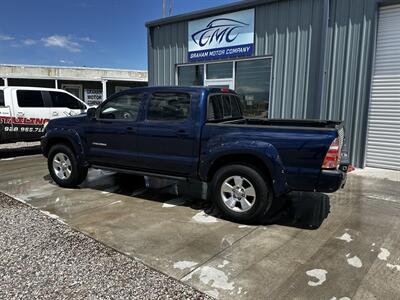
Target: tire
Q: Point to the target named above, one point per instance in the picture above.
(70, 174)
(235, 183)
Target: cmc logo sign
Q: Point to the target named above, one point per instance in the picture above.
(223, 36)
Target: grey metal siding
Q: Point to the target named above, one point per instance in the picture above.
(383, 140)
(348, 66)
(167, 47)
(321, 67)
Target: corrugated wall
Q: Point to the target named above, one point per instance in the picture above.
(167, 47)
(307, 81)
(347, 69)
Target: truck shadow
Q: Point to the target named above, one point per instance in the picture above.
(306, 210)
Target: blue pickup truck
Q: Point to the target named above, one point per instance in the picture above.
(199, 134)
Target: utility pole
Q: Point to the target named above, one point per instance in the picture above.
(163, 8)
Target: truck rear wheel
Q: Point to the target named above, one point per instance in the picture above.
(64, 168)
(241, 193)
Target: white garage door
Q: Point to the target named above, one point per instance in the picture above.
(383, 142)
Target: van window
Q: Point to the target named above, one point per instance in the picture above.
(27, 98)
(59, 99)
(168, 106)
(2, 98)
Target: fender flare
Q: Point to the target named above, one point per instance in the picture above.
(69, 135)
(269, 156)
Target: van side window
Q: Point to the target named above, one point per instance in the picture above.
(168, 106)
(2, 98)
(27, 98)
(59, 99)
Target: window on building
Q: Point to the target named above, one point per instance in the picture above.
(252, 83)
(74, 89)
(124, 107)
(59, 99)
(27, 98)
(191, 75)
(2, 98)
(168, 106)
(220, 70)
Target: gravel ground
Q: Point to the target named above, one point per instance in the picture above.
(41, 258)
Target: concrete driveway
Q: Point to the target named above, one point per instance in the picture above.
(353, 253)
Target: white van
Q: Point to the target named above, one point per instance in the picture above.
(25, 111)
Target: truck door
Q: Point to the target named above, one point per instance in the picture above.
(64, 104)
(112, 135)
(166, 138)
(30, 114)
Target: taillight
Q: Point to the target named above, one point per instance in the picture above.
(332, 157)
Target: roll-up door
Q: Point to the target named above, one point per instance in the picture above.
(383, 140)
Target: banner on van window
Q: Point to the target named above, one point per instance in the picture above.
(93, 97)
(223, 36)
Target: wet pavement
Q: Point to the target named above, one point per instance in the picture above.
(320, 246)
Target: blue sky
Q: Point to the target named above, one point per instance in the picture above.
(92, 33)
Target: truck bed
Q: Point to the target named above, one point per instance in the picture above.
(335, 125)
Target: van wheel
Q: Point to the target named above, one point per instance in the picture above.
(64, 168)
(241, 193)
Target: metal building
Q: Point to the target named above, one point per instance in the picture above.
(305, 59)
(91, 85)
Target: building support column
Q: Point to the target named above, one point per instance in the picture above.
(5, 81)
(104, 84)
(56, 83)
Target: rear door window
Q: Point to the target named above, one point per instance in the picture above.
(2, 98)
(59, 99)
(168, 106)
(28, 98)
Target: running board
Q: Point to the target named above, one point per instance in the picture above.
(135, 172)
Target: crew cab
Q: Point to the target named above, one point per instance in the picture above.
(199, 134)
(25, 111)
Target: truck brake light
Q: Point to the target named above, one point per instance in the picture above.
(224, 90)
(332, 157)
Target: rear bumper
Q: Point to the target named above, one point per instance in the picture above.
(331, 180)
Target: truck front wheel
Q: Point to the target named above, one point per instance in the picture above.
(64, 168)
(241, 193)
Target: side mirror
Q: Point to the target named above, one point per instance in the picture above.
(91, 113)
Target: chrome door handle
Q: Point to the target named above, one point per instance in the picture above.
(55, 113)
